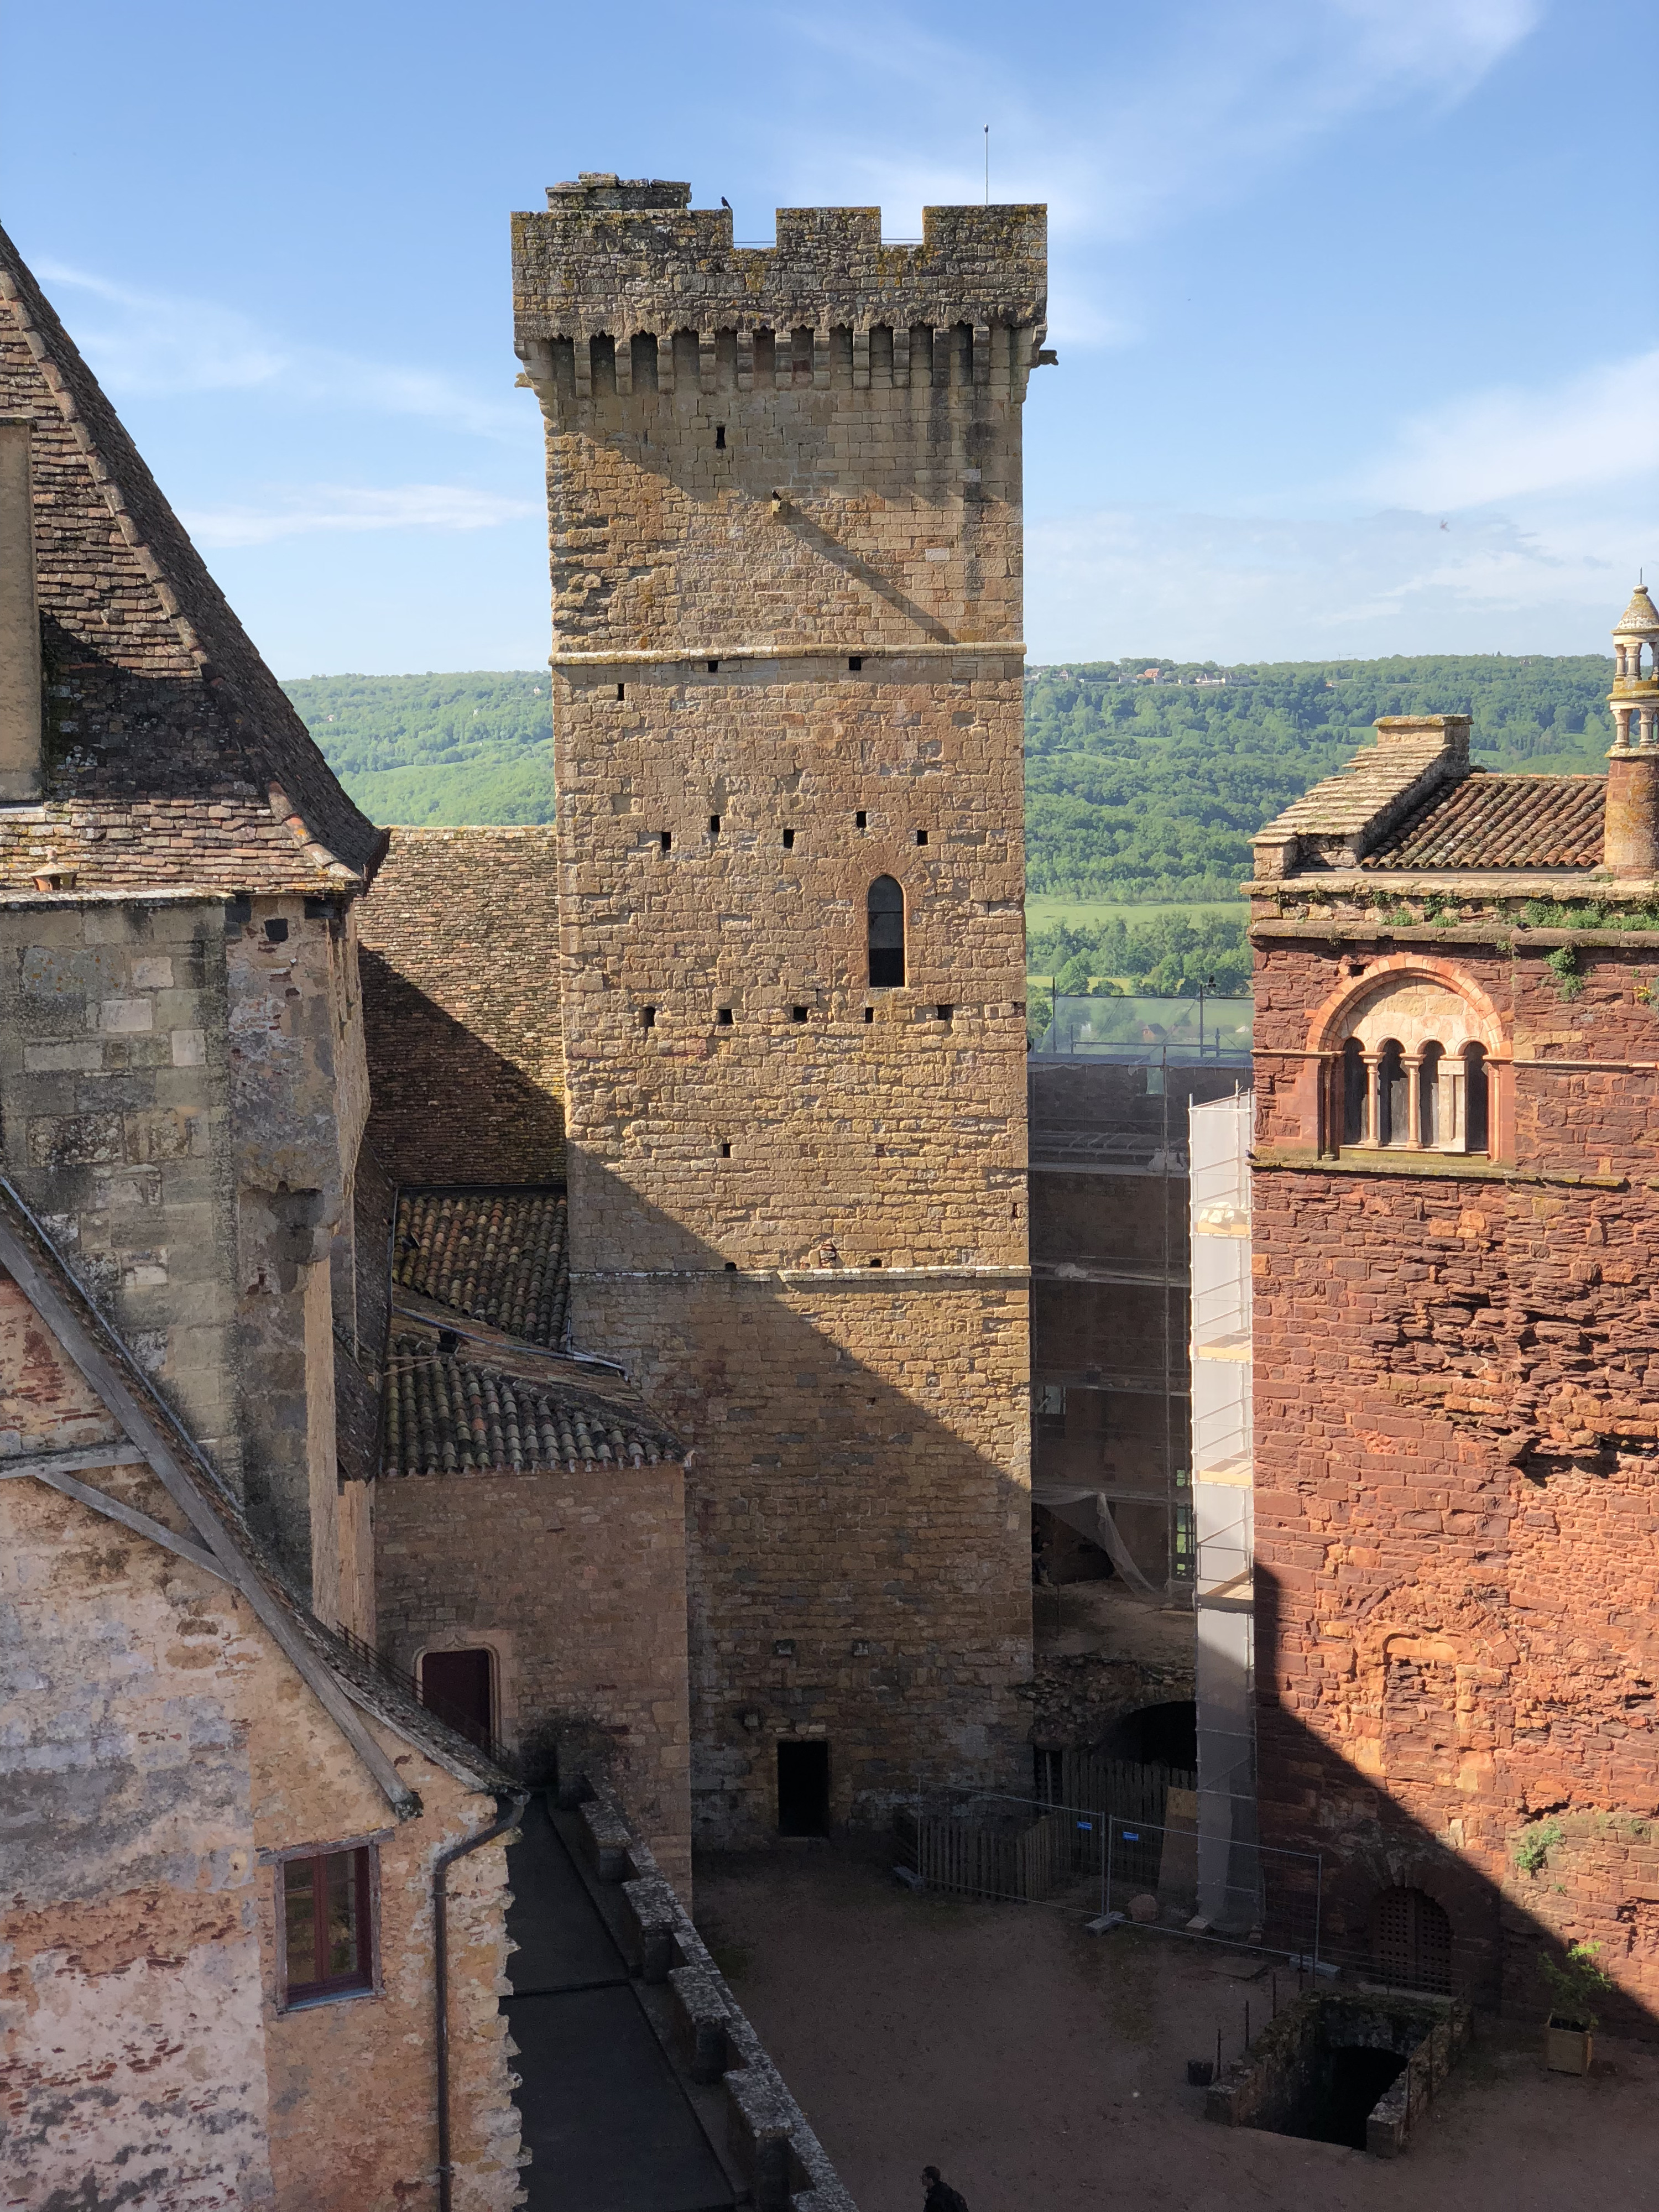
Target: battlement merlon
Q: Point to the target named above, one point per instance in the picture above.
(615, 259)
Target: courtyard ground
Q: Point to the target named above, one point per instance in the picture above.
(1044, 2069)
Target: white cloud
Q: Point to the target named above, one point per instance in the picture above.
(1599, 428)
(1154, 115)
(302, 512)
(1249, 587)
(143, 342)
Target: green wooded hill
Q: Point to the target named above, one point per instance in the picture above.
(431, 749)
(1135, 791)
(1142, 791)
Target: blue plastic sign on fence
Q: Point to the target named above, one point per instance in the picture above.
(1131, 1835)
(1087, 1827)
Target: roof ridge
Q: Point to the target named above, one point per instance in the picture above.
(268, 735)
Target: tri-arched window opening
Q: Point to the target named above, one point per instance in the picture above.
(1411, 1078)
(886, 926)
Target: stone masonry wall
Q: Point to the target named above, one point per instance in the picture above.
(161, 1752)
(858, 1521)
(784, 497)
(576, 1584)
(181, 1084)
(459, 953)
(1457, 1472)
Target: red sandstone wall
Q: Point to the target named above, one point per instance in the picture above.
(1457, 1490)
(458, 952)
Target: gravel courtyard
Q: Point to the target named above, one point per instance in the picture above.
(1044, 2069)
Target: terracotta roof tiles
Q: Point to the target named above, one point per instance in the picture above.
(499, 1257)
(1502, 822)
(446, 1414)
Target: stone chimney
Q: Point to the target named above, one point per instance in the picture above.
(20, 620)
(1631, 844)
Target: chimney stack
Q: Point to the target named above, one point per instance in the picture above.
(1630, 845)
(20, 619)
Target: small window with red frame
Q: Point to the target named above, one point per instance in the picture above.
(327, 1926)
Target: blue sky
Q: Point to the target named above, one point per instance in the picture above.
(1326, 275)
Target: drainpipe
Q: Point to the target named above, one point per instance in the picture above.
(441, 1962)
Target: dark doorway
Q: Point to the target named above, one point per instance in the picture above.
(1158, 1736)
(803, 1789)
(455, 1685)
(1410, 1941)
(1349, 2080)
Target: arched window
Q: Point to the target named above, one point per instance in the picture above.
(1428, 1095)
(1393, 1095)
(886, 907)
(1353, 1093)
(1410, 1941)
(1476, 1112)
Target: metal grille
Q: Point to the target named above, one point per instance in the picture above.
(1410, 1941)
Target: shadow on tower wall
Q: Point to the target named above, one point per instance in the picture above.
(1597, 1880)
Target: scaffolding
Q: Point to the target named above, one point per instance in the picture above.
(1223, 1596)
(1110, 1085)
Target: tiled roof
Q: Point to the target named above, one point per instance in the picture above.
(498, 1256)
(1502, 822)
(447, 1415)
(173, 756)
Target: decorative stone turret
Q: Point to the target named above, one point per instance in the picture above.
(1632, 821)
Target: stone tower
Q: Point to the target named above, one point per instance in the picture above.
(784, 492)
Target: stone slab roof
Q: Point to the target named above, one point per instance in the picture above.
(499, 1257)
(447, 1413)
(1346, 804)
(1501, 822)
(171, 756)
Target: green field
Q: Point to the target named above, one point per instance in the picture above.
(1045, 908)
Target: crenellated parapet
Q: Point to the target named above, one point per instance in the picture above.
(625, 286)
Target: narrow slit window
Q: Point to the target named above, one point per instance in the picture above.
(647, 1018)
(945, 1014)
(861, 820)
(1428, 1095)
(713, 668)
(622, 691)
(1477, 1106)
(921, 837)
(720, 437)
(665, 839)
(1354, 1086)
(788, 841)
(886, 926)
(714, 825)
(725, 1151)
(869, 1013)
(328, 1940)
(1393, 1095)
